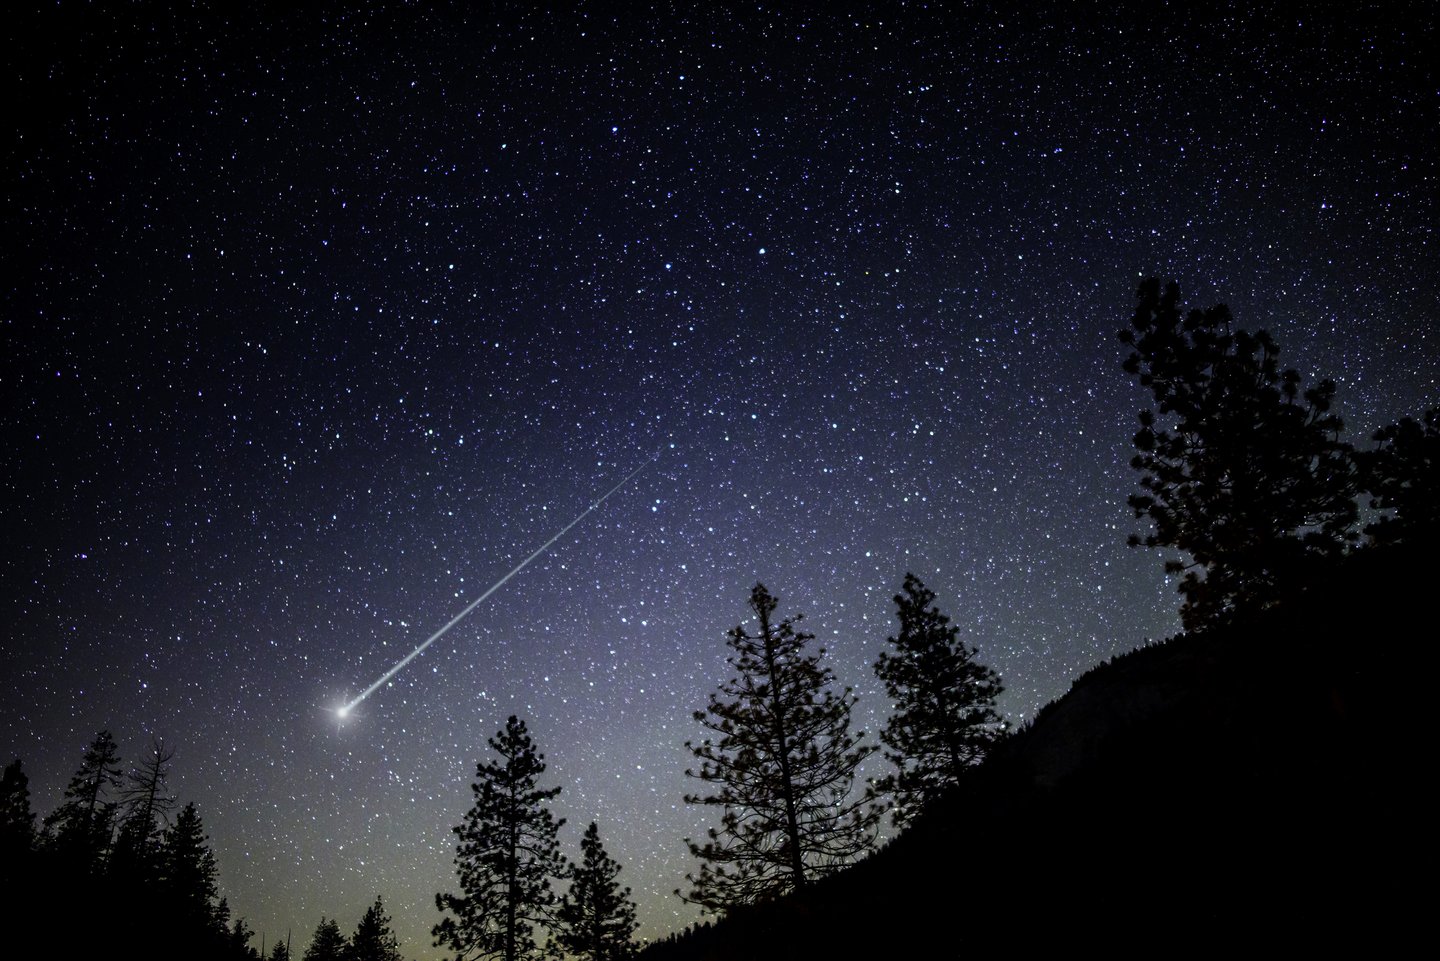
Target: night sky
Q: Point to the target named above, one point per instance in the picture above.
(317, 324)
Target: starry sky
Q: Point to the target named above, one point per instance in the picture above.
(315, 323)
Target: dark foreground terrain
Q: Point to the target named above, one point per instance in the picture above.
(1257, 787)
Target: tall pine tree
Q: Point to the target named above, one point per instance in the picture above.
(188, 881)
(18, 882)
(144, 801)
(944, 717)
(80, 828)
(1241, 470)
(17, 820)
(596, 920)
(1402, 474)
(236, 942)
(781, 764)
(373, 940)
(506, 859)
(327, 944)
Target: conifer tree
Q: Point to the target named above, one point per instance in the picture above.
(596, 920)
(17, 820)
(18, 883)
(188, 881)
(507, 856)
(944, 717)
(1241, 470)
(33, 895)
(327, 944)
(781, 764)
(236, 941)
(81, 827)
(144, 801)
(1402, 474)
(279, 952)
(373, 940)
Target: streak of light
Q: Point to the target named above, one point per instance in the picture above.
(345, 710)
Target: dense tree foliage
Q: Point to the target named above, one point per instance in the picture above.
(373, 940)
(106, 846)
(1402, 474)
(507, 857)
(327, 943)
(944, 717)
(17, 820)
(18, 853)
(781, 764)
(1242, 470)
(189, 886)
(79, 830)
(596, 919)
(189, 873)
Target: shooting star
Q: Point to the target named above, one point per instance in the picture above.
(344, 710)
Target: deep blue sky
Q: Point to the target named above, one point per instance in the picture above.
(315, 325)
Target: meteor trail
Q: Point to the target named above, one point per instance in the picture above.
(344, 711)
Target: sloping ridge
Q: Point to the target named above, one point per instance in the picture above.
(1255, 787)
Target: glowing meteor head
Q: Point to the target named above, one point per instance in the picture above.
(343, 711)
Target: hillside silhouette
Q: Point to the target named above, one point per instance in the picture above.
(1250, 786)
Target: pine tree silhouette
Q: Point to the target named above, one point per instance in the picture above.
(596, 920)
(189, 882)
(507, 856)
(1402, 475)
(1241, 471)
(144, 875)
(17, 821)
(944, 718)
(782, 765)
(21, 884)
(144, 801)
(236, 942)
(327, 944)
(373, 940)
(80, 828)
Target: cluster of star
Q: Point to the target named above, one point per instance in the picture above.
(318, 324)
